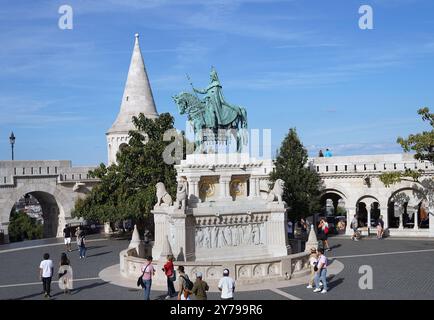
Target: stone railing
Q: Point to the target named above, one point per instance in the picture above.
(245, 272)
(375, 164)
(10, 170)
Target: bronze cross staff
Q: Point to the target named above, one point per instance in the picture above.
(191, 83)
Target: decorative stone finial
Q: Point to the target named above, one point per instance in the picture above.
(312, 242)
(135, 239)
(136, 35)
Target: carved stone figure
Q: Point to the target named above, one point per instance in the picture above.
(207, 238)
(228, 235)
(255, 235)
(277, 191)
(262, 233)
(214, 237)
(181, 195)
(163, 197)
(199, 238)
(240, 231)
(221, 238)
(234, 236)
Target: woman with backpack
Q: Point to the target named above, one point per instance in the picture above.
(185, 285)
(169, 271)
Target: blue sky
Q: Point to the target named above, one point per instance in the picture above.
(294, 63)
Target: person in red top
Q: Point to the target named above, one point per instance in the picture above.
(169, 270)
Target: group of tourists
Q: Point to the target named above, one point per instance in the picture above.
(318, 271)
(186, 288)
(326, 154)
(81, 240)
(65, 275)
(355, 227)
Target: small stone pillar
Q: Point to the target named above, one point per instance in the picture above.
(312, 242)
(137, 243)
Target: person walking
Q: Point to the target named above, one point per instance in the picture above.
(65, 274)
(226, 286)
(380, 228)
(323, 229)
(169, 271)
(185, 285)
(67, 237)
(148, 272)
(321, 272)
(46, 274)
(200, 287)
(81, 242)
(354, 226)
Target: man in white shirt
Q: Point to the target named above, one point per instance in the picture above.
(46, 273)
(227, 286)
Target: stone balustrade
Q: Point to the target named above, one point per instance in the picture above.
(373, 164)
(10, 170)
(244, 272)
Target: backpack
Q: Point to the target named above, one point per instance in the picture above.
(188, 283)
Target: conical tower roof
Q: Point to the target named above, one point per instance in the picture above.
(137, 96)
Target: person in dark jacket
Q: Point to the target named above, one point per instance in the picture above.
(200, 288)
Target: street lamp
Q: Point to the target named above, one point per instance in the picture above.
(12, 141)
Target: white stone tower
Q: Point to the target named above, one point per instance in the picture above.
(137, 99)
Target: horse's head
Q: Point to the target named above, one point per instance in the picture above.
(181, 102)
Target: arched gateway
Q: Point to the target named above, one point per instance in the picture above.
(56, 185)
(354, 181)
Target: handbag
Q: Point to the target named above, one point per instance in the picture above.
(140, 282)
(173, 276)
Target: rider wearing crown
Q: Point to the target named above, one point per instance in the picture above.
(214, 99)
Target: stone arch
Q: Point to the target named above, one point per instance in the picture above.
(368, 210)
(49, 196)
(408, 202)
(333, 199)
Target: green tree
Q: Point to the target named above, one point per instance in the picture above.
(302, 186)
(22, 227)
(422, 144)
(127, 189)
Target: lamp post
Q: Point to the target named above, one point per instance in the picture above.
(12, 141)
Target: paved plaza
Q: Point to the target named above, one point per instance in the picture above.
(401, 270)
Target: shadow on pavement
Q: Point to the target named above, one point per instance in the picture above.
(99, 254)
(90, 286)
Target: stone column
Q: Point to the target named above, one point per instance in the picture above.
(431, 221)
(258, 186)
(193, 189)
(401, 222)
(225, 187)
(253, 182)
(4, 228)
(416, 218)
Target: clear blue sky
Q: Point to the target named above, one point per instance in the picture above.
(299, 63)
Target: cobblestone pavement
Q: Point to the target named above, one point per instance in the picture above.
(402, 269)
